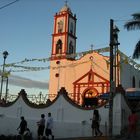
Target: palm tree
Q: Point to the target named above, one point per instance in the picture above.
(134, 24)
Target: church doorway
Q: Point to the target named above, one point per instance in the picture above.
(90, 97)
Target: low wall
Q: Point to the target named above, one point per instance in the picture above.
(69, 119)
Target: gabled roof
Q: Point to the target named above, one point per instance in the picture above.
(93, 74)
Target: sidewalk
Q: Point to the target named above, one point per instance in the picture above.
(126, 137)
(87, 138)
(104, 138)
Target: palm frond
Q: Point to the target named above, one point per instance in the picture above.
(132, 25)
(136, 16)
(136, 53)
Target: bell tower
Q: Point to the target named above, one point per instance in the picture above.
(63, 48)
(64, 35)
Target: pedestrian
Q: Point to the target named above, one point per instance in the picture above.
(49, 127)
(96, 124)
(27, 134)
(23, 126)
(41, 127)
(133, 120)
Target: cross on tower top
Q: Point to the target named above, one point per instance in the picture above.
(92, 47)
(66, 3)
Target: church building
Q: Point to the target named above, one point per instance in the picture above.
(86, 76)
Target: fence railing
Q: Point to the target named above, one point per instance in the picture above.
(43, 98)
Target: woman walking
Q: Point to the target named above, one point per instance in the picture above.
(96, 124)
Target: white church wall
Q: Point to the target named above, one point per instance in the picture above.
(137, 77)
(120, 114)
(127, 73)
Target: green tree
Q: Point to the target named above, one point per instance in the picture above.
(134, 24)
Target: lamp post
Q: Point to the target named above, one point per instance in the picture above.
(5, 54)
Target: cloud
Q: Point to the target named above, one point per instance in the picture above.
(27, 83)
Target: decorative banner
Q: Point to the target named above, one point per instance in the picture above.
(49, 58)
(125, 59)
(128, 60)
(5, 74)
(107, 63)
(44, 68)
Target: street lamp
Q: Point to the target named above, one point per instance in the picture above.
(5, 54)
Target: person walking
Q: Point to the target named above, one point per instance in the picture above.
(22, 126)
(96, 124)
(49, 127)
(41, 127)
(132, 119)
(27, 135)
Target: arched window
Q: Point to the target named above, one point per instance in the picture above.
(59, 47)
(71, 49)
(133, 82)
(60, 26)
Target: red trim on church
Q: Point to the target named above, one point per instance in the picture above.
(104, 84)
(66, 15)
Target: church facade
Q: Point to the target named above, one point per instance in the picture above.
(86, 76)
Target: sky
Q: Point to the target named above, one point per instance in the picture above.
(26, 28)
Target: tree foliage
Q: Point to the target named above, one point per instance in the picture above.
(134, 24)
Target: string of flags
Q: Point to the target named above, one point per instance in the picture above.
(124, 59)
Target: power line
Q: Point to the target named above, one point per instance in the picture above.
(6, 5)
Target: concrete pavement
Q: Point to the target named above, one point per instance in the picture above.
(87, 138)
(105, 138)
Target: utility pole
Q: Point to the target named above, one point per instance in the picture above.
(113, 65)
(111, 79)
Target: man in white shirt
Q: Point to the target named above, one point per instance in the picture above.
(49, 127)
